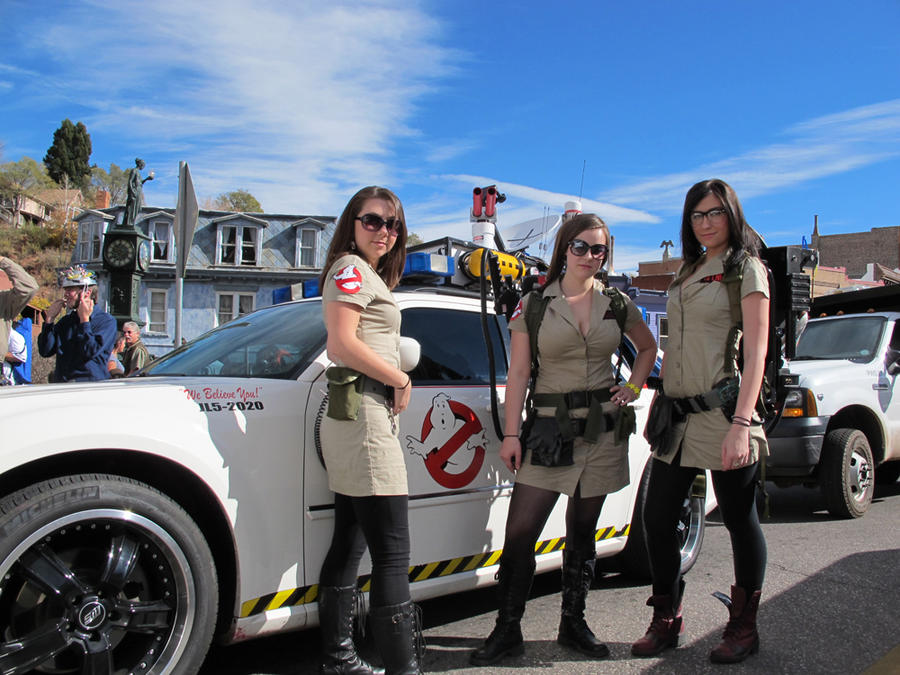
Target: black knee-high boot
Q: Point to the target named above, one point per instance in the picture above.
(577, 575)
(398, 635)
(336, 609)
(514, 584)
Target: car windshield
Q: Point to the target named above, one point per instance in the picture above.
(275, 342)
(854, 338)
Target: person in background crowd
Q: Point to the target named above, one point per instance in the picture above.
(135, 355)
(576, 387)
(13, 300)
(83, 339)
(15, 355)
(114, 365)
(22, 371)
(716, 242)
(365, 463)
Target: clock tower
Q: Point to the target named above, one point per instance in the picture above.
(126, 253)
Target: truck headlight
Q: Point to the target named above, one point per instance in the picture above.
(800, 403)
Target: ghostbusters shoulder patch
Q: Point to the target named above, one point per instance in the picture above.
(712, 277)
(517, 311)
(348, 279)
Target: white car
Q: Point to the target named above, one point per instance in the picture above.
(141, 517)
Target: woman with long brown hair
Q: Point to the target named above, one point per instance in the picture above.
(363, 457)
(581, 410)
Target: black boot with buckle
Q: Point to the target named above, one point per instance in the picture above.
(398, 634)
(577, 575)
(337, 606)
(512, 591)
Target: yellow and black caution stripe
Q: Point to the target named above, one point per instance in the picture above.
(443, 568)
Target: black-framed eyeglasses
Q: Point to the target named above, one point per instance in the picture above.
(715, 215)
(373, 222)
(579, 247)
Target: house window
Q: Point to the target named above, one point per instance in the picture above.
(161, 234)
(238, 245)
(233, 305)
(90, 240)
(306, 247)
(157, 323)
(662, 328)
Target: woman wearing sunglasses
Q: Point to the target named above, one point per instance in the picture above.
(362, 453)
(576, 339)
(716, 243)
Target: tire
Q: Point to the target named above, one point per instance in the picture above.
(102, 574)
(887, 473)
(634, 561)
(846, 473)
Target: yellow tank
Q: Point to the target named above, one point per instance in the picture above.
(510, 266)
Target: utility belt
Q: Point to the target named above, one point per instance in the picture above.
(345, 389)
(724, 395)
(551, 438)
(667, 411)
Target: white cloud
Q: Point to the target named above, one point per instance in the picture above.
(820, 147)
(259, 94)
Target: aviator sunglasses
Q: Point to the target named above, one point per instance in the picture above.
(373, 222)
(579, 247)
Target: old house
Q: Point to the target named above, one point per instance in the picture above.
(235, 263)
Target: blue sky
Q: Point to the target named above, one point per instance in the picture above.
(796, 104)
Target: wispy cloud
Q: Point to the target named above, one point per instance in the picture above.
(257, 94)
(823, 146)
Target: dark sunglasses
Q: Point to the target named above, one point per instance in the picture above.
(373, 222)
(579, 247)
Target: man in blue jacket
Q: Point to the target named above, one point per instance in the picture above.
(83, 339)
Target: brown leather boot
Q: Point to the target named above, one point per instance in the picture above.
(665, 628)
(740, 638)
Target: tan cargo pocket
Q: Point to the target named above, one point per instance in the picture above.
(344, 392)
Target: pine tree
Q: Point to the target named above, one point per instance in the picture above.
(70, 154)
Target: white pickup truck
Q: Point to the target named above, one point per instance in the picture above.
(840, 429)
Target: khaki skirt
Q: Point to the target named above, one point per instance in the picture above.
(363, 457)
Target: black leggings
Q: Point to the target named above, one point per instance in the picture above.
(736, 494)
(529, 509)
(382, 523)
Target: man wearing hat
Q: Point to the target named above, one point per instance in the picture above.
(83, 339)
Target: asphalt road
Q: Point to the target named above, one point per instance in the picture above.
(831, 604)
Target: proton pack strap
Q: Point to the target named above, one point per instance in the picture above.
(618, 305)
(732, 279)
(535, 308)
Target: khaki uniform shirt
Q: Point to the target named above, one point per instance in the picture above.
(14, 299)
(363, 456)
(699, 316)
(570, 361)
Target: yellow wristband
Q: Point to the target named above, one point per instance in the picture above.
(634, 388)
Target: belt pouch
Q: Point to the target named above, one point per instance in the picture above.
(344, 392)
(625, 425)
(595, 423)
(660, 423)
(546, 443)
(728, 390)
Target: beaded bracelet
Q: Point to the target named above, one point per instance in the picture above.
(634, 388)
(742, 423)
(741, 418)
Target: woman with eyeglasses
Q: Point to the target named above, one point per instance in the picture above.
(581, 410)
(721, 286)
(360, 446)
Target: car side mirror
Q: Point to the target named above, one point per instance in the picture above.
(410, 351)
(892, 361)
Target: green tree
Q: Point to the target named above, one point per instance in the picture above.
(115, 182)
(23, 177)
(70, 153)
(412, 239)
(238, 200)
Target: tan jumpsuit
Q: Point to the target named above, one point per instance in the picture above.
(570, 361)
(699, 316)
(363, 456)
